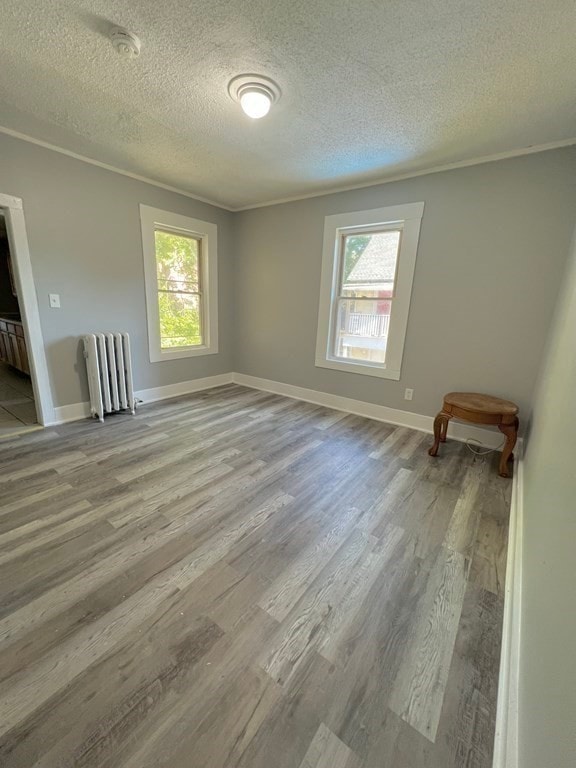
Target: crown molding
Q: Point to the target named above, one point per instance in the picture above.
(108, 167)
(294, 198)
(531, 150)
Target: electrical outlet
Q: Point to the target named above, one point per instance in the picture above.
(408, 394)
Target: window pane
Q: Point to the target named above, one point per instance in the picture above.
(180, 320)
(362, 329)
(369, 267)
(177, 262)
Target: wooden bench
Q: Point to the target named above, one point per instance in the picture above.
(479, 409)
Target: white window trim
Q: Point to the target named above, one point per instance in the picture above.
(410, 216)
(150, 220)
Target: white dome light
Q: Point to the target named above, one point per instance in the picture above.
(255, 102)
(254, 93)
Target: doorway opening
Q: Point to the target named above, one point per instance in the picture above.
(17, 406)
(25, 396)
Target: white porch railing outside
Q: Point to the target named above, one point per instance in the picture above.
(360, 324)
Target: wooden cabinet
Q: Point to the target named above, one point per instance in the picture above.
(13, 344)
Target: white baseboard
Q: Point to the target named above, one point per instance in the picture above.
(73, 412)
(457, 431)
(506, 736)
(77, 411)
(183, 388)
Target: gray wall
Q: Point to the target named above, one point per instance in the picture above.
(493, 245)
(492, 248)
(547, 675)
(83, 228)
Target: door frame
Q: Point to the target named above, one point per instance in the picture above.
(13, 210)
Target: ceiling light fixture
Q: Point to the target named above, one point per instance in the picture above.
(255, 102)
(254, 93)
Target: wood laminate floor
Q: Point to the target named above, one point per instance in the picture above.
(236, 579)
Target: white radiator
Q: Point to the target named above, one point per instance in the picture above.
(109, 367)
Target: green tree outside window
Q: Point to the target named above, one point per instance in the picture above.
(179, 289)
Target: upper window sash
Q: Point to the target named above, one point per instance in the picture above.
(350, 232)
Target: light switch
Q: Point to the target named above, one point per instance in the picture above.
(54, 300)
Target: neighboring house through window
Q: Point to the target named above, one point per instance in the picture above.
(367, 272)
(180, 266)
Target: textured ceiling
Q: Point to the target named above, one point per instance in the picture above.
(371, 88)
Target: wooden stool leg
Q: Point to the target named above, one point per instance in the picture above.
(440, 427)
(511, 432)
(444, 430)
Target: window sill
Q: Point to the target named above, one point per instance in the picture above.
(365, 370)
(179, 353)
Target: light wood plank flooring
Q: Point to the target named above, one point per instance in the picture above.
(235, 579)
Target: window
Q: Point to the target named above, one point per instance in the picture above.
(181, 290)
(367, 271)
